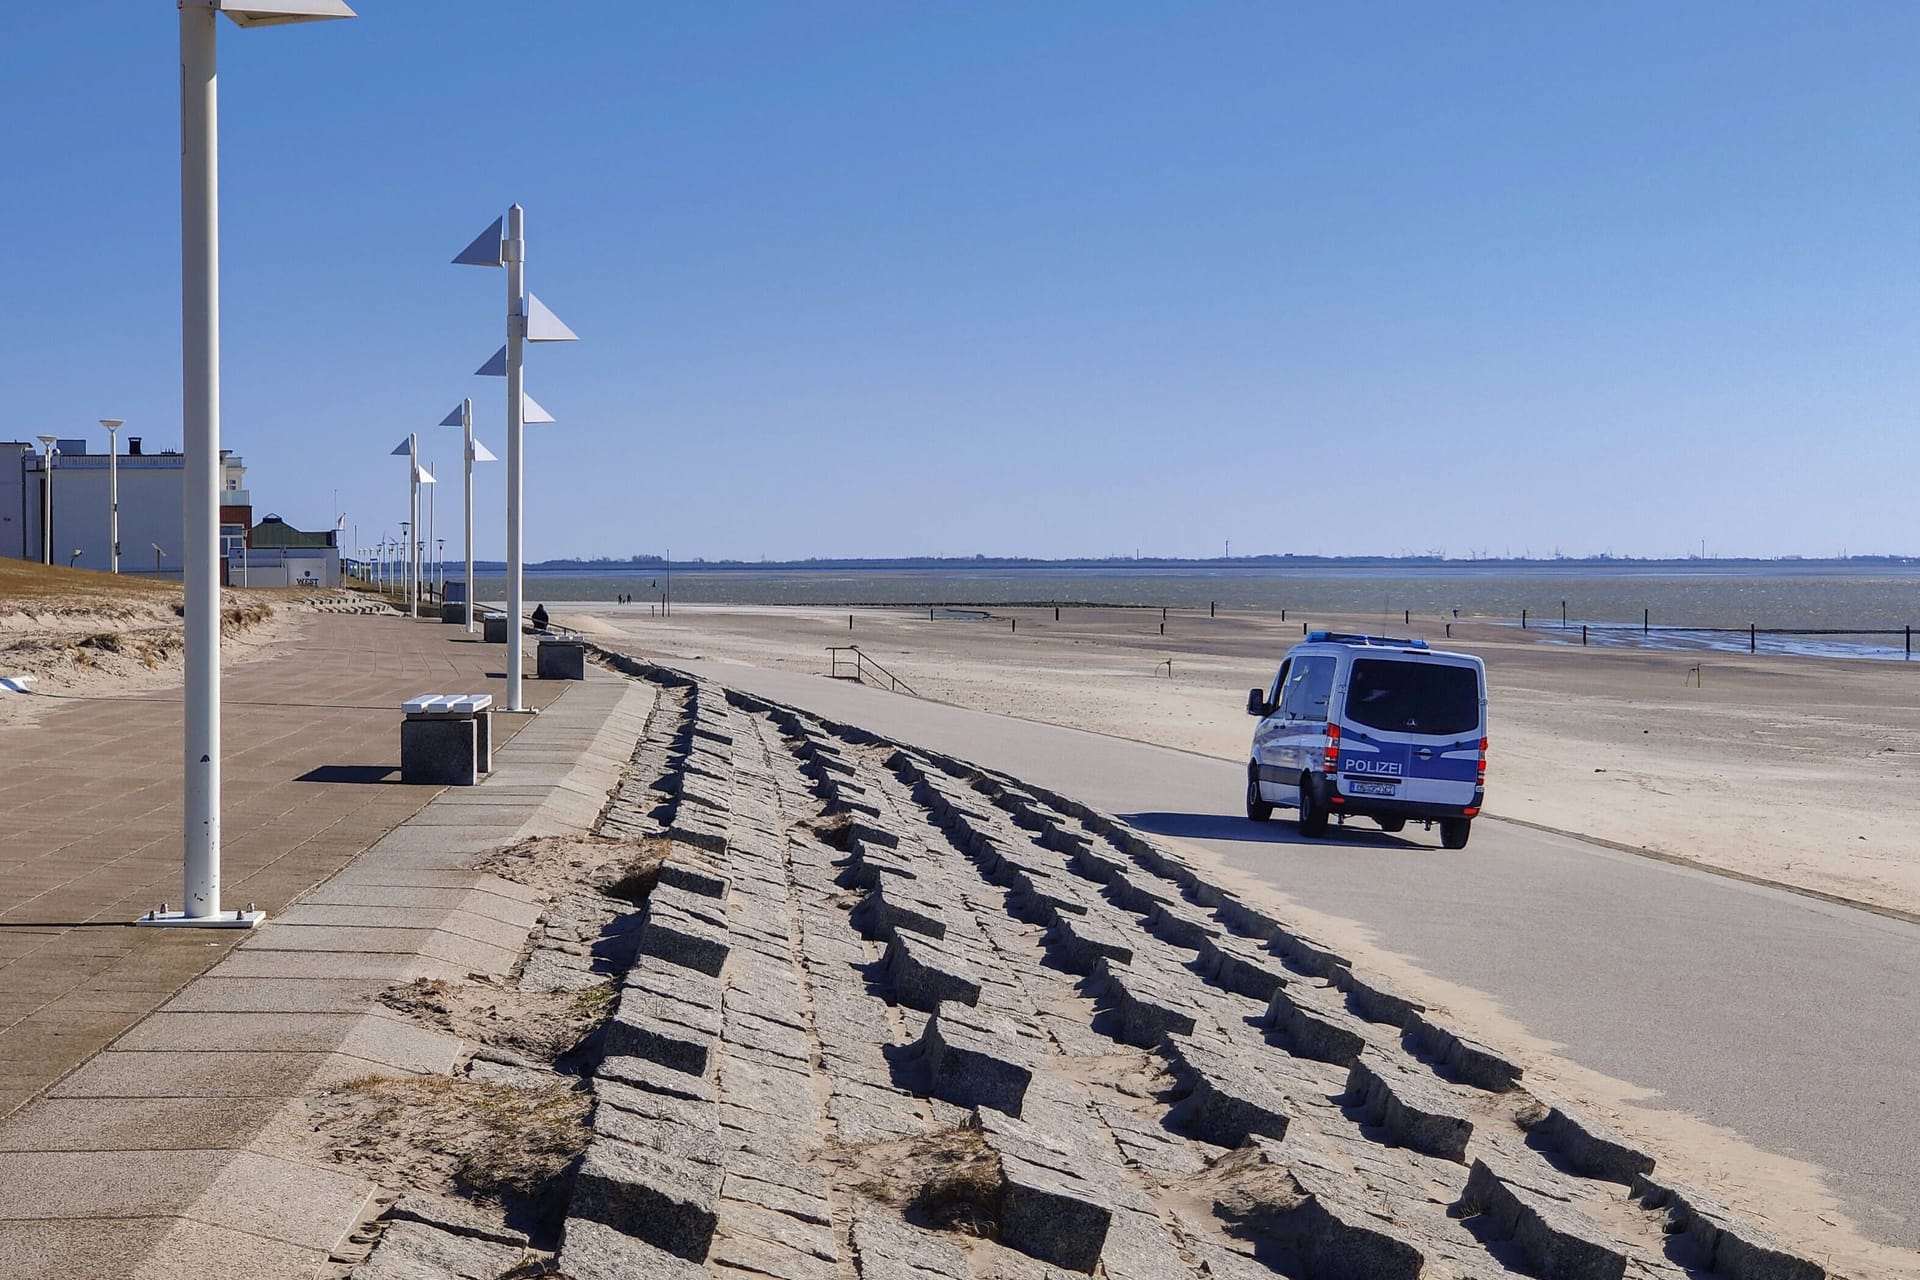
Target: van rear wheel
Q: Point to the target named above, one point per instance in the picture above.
(1257, 807)
(1454, 832)
(1313, 810)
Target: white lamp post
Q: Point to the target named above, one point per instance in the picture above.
(473, 451)
(528, 320)
(409, 528)
(113, 426)
(200, 413)
(47, 445)
(433, 525)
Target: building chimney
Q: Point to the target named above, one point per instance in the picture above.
(133, 446)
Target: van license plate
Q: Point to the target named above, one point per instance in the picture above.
(1361, 788)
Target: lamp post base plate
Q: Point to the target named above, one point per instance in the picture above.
(181, 920)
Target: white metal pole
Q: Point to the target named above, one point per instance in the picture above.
(413, 525)
(433, 528)
(516, 254)
(466, 429)
(200, 410)
(46, 526)
(113, 497)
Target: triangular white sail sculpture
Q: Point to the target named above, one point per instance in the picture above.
(483, 454)
(495, 367)
(485, 251)
(530, 410)
(544, 326)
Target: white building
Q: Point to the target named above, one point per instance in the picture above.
(152, 506)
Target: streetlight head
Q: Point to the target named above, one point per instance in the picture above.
(274, 13)
(113, 424)
(48, 441)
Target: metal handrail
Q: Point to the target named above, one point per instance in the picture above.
(858, 667)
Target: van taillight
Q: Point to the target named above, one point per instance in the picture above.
(1480, 779)
(1331, 761)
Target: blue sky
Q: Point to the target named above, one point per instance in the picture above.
(1006, 278)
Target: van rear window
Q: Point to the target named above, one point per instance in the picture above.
(1413, 697)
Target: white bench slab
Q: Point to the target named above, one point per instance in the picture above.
(448, 705)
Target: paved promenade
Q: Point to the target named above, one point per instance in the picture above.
(1791, 1022)
(90, 816)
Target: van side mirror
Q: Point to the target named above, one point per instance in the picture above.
(1257, 703)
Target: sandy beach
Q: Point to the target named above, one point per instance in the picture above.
(78, 634)
(1794, 770)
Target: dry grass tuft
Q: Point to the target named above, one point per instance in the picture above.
(642, 870)
(540, 1025)
(950, 1181)
(485, 1141)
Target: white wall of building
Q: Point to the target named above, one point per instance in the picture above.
(152, 508)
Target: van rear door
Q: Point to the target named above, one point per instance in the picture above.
(1411, 727)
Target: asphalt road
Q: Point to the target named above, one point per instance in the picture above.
(1793, 1022)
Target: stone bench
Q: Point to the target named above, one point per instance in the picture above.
(559, 658)
(493, 628)
(446, 739)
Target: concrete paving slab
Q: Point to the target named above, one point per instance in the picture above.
(145, 1249)
(217, 993)
(131, 1074)
(133, 1124)
(504, 934)
(433, 943)
(391, 1042)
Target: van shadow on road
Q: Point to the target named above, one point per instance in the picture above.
(1233, 826)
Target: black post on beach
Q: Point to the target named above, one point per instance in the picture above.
(1523, 619)
(1163, 614)
(1409, 617)
(1753, 639)
(1211, 606)
(1583, 635)
(1563, 615)
(1013, 624)
(929, 615)
(1303, 628)
(1283, 615)
(1163, 628)
(1449, 631)
(1646, 621)
(849, 622)
(1056, 613)
(1909, 643)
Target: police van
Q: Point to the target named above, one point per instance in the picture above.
(1371, 727)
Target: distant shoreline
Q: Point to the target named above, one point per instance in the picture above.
(1412, 565)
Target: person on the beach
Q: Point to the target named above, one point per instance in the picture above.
(539, 617)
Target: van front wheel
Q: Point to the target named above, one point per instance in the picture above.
(1313, 810)
(1454, 832)
(1257, 807)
